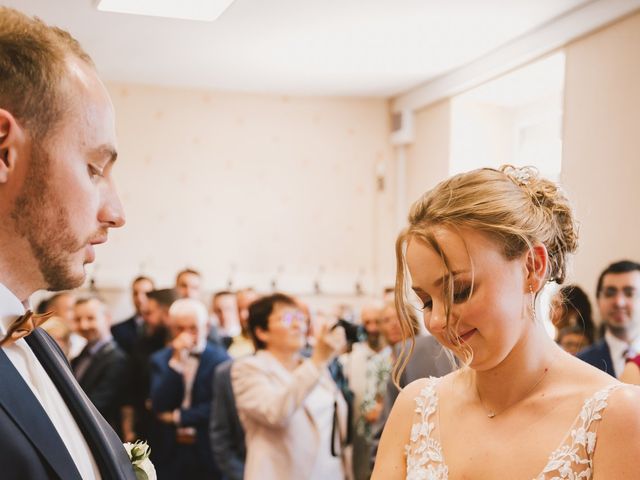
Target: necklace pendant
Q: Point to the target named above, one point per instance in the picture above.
(491, 414)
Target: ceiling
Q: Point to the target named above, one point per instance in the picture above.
(299, 47)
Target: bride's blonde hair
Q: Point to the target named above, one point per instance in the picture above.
(515, 206)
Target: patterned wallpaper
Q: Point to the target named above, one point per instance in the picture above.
(253, 188)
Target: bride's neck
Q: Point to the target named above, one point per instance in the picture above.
(520, 374)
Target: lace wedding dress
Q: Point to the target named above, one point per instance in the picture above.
(571, 460)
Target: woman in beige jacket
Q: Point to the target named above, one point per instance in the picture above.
(288, 405)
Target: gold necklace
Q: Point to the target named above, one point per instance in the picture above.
(493, 413)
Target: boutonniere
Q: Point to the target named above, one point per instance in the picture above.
(139, 455)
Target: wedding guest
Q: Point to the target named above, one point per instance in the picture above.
(60, 332)
(57, 201)
(378, 372)
(289, 405)
(355, 367)
(63, 304)
(631, 372)
(241, 344)
(226, 323)
(137, 416)
(570, 307)
(181, 395)
(573, 339)
(618, 295)
(101, 367)
(225, 430)
(189, 283)
(126, 333)
(477, 250)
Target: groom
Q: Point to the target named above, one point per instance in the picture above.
(57, 201)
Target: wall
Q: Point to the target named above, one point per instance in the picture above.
(482, 135)
(251, 188)
(601, 147)
(428, 157)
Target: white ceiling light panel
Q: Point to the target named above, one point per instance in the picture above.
(203, 10)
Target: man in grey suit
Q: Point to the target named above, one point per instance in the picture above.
(225, 430)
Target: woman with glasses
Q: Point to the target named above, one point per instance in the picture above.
(294, 416)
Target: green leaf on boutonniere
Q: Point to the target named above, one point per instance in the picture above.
(140, 474)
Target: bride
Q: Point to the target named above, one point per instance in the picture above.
(478, 249)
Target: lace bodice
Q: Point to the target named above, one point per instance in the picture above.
(571, 460)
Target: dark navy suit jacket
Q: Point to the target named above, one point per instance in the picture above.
(126, 334)
(105, 381)
(225, 430)
(599, 356)
(30, 447)
(167, 393)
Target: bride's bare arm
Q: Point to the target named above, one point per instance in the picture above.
(618, 440)
(390, 460)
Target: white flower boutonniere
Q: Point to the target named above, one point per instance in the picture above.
(139, 455)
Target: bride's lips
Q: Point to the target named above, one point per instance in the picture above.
(468, 334)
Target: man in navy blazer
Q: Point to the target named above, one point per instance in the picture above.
(181, 395)
(618, 296)
(127, 332)
(57, 201)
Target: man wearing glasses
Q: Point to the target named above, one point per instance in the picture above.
(618, 296)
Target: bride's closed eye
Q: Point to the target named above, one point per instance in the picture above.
(461, 293)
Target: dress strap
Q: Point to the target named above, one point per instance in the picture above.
(592, 409)
(424, 452)
(575, 454)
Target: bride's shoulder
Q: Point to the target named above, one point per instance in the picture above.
(420, 386)
(617, 448)
(431, 387)
(622, 407)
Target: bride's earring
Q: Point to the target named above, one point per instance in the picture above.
(533, 303)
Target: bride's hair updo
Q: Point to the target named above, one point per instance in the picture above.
(515, 206)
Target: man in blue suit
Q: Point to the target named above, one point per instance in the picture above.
(181, 395)
(127, 332)
(57, 201)
(618, 296)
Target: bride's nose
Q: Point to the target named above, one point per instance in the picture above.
(437, 320)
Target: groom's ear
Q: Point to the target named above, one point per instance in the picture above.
(12, 145)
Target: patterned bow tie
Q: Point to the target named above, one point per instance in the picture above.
(23, 326)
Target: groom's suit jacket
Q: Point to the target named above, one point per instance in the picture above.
(30, 447)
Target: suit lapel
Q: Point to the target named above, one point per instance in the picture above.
(23, 407)
(107, 449)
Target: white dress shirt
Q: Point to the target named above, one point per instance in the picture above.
(619, 350)
(43, 388)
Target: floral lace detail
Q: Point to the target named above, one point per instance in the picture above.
(424, 453)
(571, 461)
